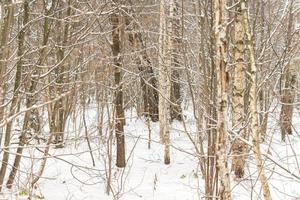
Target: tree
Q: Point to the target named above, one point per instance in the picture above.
(222, 85)
(165, 64)
(238, 115)
(176, 111)
(117, 31)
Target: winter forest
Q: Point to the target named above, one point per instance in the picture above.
(149, 99)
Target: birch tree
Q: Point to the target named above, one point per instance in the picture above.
(222, 85)
(238, 115)
(165, 62)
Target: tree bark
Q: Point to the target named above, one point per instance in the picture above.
(165, 63)
(238, 115)
(176, 111)
(118, 95)
(222, 85)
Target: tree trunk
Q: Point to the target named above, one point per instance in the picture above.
(222, 85)
(176, 111)
(165, 63)
(118, 94)
(238, 115)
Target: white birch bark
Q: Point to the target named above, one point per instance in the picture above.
(165, 48)
(238, 116)
(222, 85)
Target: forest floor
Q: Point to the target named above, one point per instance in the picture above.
(70, 174)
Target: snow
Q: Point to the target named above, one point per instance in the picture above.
(69, 173)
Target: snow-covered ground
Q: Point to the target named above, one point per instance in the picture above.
(69, 173)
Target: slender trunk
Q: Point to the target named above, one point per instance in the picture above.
(109, 150)
(87, 133)
(162, 76)
(118, 95)
(176, 111)
(165, 62)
